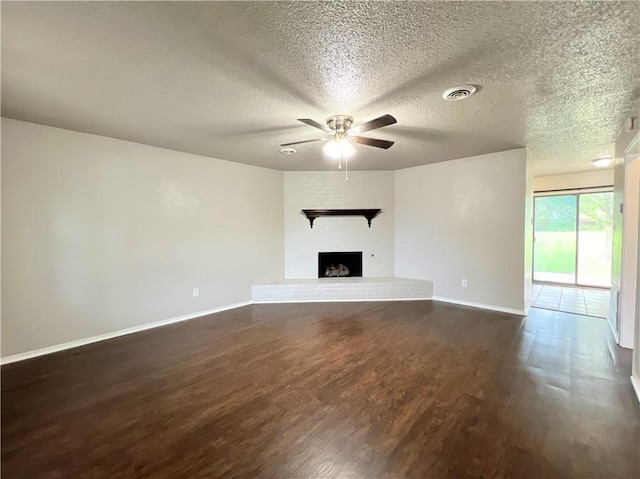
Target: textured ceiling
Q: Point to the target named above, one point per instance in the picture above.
(229, 79)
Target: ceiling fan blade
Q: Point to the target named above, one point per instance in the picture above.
(315, 124)
(303, 141)
(374, 142)
(384, 120)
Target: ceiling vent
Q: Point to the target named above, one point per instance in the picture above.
(459, 92)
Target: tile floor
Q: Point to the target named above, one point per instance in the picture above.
(571, 299)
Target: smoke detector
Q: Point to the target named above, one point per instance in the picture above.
(288, 151)
(459, 92)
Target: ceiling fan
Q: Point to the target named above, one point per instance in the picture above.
(342, 135)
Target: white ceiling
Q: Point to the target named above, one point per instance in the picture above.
(229, 79)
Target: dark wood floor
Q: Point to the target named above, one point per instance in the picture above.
(341, 390)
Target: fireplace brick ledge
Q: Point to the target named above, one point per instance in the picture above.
(342, 289)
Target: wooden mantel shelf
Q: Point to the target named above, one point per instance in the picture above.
(369, 214)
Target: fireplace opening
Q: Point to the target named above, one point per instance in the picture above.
(345, 264)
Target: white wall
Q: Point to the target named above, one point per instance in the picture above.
(101, 235)
(616, 248)
(528, 232)
(328, 189)
(465, 219)
(635, 368)
(629, 278)
(623, 332)
(631, 323)
(587, 179)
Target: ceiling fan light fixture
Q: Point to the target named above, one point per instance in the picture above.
(339, 147)
(602, 162)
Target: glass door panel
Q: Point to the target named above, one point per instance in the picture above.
(554, 247)
(595, 230)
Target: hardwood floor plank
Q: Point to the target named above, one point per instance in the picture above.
(414, 389)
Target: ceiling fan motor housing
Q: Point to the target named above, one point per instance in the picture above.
(340, 123)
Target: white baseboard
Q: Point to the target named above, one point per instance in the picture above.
(613, 330)
(291, 301)
(636, 386)
(625, 342)
(500, 309)
(143, 327)
(122, 332)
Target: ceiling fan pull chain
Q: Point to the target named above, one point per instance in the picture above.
(346, 168)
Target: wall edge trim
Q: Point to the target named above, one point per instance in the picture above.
(490, 307)
(616, 337)
(115, 334)
(636, 387)
(287, 301)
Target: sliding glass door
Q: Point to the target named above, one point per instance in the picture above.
(595, 232)
(554, 247)
(572, 238)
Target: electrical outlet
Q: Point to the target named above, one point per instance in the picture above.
(196, 292)
(464, 283)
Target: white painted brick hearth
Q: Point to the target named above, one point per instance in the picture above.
(328, 189)
(342, 289)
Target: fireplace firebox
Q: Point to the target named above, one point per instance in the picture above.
(344, 264)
